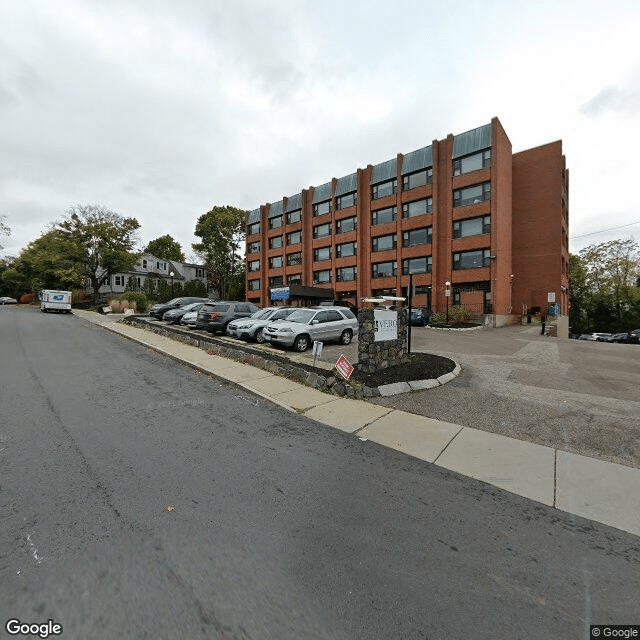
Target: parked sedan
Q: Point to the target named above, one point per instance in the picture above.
(215, 316)
(158, 310)
(189, 319)
(252, 328)
(304, 326)
(8, 300)
(173, 316)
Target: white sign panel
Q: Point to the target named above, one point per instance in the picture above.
(385, 325)
(551, 296)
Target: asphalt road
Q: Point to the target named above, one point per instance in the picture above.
(141, 499)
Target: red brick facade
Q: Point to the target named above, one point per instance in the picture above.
(465, 210)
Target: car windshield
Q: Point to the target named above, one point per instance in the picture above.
(301, 315)
(263, 314)
(192, 307)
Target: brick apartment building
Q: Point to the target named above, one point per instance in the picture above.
(464, 210)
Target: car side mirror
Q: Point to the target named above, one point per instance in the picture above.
(315, 322)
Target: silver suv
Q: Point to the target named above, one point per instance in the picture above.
(251, 328)
(304, 326)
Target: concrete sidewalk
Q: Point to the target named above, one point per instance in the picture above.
(594, 489)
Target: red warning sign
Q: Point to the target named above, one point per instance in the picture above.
(344, 367)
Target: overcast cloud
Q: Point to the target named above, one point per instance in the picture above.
(161, 110)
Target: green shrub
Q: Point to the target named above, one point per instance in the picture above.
(459, 314)
(437, 318)
(137, 300)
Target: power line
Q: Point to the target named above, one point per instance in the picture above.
(595, 233)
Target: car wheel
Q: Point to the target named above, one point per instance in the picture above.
(301, 343)
(346, 336)
(258, 336)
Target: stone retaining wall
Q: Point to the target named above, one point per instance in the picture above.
(328, 383)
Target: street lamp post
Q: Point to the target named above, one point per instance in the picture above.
(171, 274)
(447, 295)
(410, 301)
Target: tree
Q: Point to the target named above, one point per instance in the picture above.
(100, 242)
(165, 247)
(4, 229)
(221, 231)
(606, 284)
(45, 263)
(195, 289)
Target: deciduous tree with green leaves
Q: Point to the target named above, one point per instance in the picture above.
(45, 263)
(604, 286)
(100, 242)
(165, 247)
(221, 230)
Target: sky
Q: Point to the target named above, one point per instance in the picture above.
(160, 110)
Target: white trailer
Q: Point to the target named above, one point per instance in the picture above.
(59, 301)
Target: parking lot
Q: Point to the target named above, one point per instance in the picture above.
(578, 396)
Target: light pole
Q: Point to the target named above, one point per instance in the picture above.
(447, 295)
(171, 275)
(410, 301)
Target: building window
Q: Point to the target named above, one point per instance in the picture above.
(347, 249)
(347, 200)
(294, 278)
(416, 265)
(416, 236)
(119, 281)
(295, 237)
(345, 274)
(322, 208)
(417, 207)
(384, 269)
(422, 288)
(323, 253)
(275, 223)
(144, 264)
(384, 243)
(199, 273)
(276, 262)
(473, 162)
(254, 285)
(472, 195)
(138, 282)
(294, 216)
(382, 216)
(472, 227)
(417, 179)
(275, 243)
(320, 277)
(276, 281)
(472, 259)
(254, 265)
(322, 230)
(293, 259)
(383, 189)
(253, 247)
(346, 224)
(158, 266)
(254, 228)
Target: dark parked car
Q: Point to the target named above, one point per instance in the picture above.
(420, 317)
(158, 310)
(215, 316)
(173, 316)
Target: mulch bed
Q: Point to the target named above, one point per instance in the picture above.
(423, 366)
